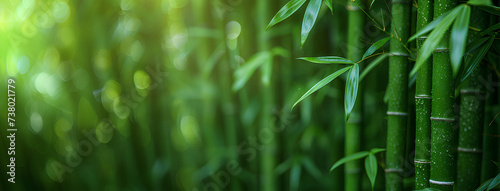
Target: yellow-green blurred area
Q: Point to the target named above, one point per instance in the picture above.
(144, 95)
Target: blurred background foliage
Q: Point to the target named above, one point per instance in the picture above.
(140, 95)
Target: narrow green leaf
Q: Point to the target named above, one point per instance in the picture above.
(484, 185)
(458, 38)
(432, 24)
(352, 157)
(283, 167)
(351, 90)
(267, 70)
(434, 39)
(472, 62)
(311, 168)
(376, 150)
(375, 46)
(322, 83)
(286, 11)
(329, 4)
(492, 28)
(279, 51)
(429, 189)
(372, 65)
(371, 4)
(371, 168)
(480, 2)
(491, 9)
(327, 60)
(471, 47)
(243, 74)
(494, 182)
(295, 176)
(310, 16)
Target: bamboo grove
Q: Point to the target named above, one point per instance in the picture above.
(251, 95)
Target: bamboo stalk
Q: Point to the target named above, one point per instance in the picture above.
(472, 107)
(397, 110)
(267, 179)
(423, 103)
(444, 132)
(352, 145)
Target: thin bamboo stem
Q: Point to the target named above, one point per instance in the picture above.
(443, 133)
(398, 90)
(423, 103)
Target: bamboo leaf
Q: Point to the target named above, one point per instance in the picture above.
(311, 168)
(480, 2)
(310, 16)
(295, 176)
(371, 168)
(243, 74)
(352, 157)
(429, 189)
(492, 28)
(322, 83)
(371, 4)
(372, 65)
(329, 4)
(432, 24)
(376, 150)
(279, 51)
(434, 38)
(327, 60)
(494, 182)
(267, 70)
(351, 90)
(375, 46)
(491, 9)
(472, 62)
(281, 168)
(484, 185)
(286, 11)
(459, 38)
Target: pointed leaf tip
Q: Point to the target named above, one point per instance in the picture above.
(286, 11)
(322, 83)
(351, 90)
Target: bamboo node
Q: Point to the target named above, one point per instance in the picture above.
(397, 113)
(353, 8)
(400, 2)
(422, 162)
(441, 182)
(442, 50)
(399, 54)
(423, 97)
(443, 119)
(469, 150)
(470, 91)
(394, 170)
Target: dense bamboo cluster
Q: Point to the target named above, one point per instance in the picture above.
(252, 95)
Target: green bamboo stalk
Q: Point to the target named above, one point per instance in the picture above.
(267, 179)
(472, 107)
(352, 145)
(423, 103)
(397, 111)
(444, 132)
(490, 143)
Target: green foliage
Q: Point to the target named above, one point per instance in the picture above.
(370, 162)
(489, 184)
(435, 37)
(327, 60)
(310, 16)
(322, 83)
(286, 11)
(375, 46)
(351, 90)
